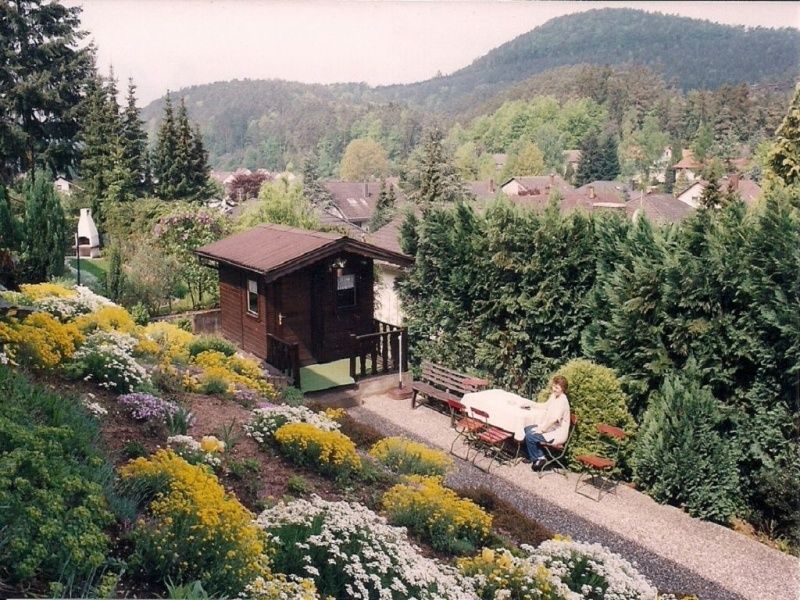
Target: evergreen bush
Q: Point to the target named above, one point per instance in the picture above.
(596, 396)
(681, 457)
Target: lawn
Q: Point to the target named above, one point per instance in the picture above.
(96, 267)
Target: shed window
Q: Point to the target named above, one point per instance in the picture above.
(345, 291)
(252, 297)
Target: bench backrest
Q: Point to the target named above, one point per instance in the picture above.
(448, 379)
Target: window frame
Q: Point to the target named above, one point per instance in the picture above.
(354, 288)
(249, 294)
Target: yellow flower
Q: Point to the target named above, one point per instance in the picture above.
(209, 443)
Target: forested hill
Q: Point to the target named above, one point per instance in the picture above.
(692, 52)
(274, 124)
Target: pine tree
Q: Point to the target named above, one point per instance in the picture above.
(134, 143)
(784, 158)
(45, 240)
(681, 456)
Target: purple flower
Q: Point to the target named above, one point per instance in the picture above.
(146, 407)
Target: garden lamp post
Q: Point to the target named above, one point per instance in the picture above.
(78, 257)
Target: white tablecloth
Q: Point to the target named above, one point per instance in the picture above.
(506, 410)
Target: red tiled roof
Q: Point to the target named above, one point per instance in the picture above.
(482, 189)
(275, 250)
(687, 162)
(356, 200)
(542, 183)
(659, 208)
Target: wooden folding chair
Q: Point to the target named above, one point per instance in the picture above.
(467, 427)
(557, 452)
(490, 439)
(597, 467)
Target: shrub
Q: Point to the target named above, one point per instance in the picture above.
(407, 457)
(107, 357)
(292, 396)
(498, 574)
(172, 340)
(140, 314)
(81, 302)
(596, 396)
(437, 514)
(107, 318)
(299, 485)
(233, 371)
(350, 552)
(264, 422)
(681, 457)
(324, 451)
(195, 531)
(39, 340)
(146, 407)
(214, 385)
(178, 423)
(40, 291)
(210, 342)
(207, 451)
(52, 478)
(590, 570)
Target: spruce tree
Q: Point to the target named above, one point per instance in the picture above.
(43, 75)
(711, 196)
(95, 164)
(198, 163)
(681, 456)
(9, 227)
(164, 172)
(134, 143)
(314, 191)
(610, 163)
(115, 277)
(590, 166)
(784, 158)
(384, 208)
(45, 233)
(431, 176)
(182, 166)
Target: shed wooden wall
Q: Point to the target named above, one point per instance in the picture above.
(247, 331)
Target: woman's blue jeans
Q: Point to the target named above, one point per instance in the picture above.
(532, 441)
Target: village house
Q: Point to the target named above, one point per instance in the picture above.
(688, 167)
(748, 190)
(534, 186)
(355, 202)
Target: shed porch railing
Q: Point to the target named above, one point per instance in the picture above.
(285, 357)
(386, 349)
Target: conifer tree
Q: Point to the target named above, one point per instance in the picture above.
(711, 196)
(316, 193)
(198, 163)
(784, 158)
(9, 227)
(45, 239)
(610, 168)
(115, 277)
(681, 456)
(164, 172)
(384, 207)
(431, 176)
(183, 185)
(134, 143)
(96, 132)
(590, 166)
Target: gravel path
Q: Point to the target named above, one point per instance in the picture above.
(673, 550)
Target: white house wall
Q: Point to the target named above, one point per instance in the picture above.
(387, 302)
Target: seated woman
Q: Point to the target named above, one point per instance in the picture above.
(552, 425)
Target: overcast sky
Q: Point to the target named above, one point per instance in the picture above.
(169, 44)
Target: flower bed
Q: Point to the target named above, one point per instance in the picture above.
(264, 422)
(107, 358)
(328, 452)
(230, 371)
(407, 457)
(500, 574)
(207, 451)
(40, 340)
(194, 530)
(146, 407)
(437, 514)
(350, 552)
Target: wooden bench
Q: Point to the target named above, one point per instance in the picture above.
(443, 384)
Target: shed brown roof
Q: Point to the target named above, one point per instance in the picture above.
(275, 250)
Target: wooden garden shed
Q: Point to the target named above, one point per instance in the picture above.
(294, 297)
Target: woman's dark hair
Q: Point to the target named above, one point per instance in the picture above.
(562, 381)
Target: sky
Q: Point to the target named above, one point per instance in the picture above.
(170, 44)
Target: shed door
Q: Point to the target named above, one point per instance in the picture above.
(293, 312)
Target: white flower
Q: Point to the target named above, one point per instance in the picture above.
(264, 422)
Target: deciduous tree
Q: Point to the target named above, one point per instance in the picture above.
(364, 159)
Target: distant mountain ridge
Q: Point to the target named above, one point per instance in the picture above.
(693, 52)
(271, 123)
